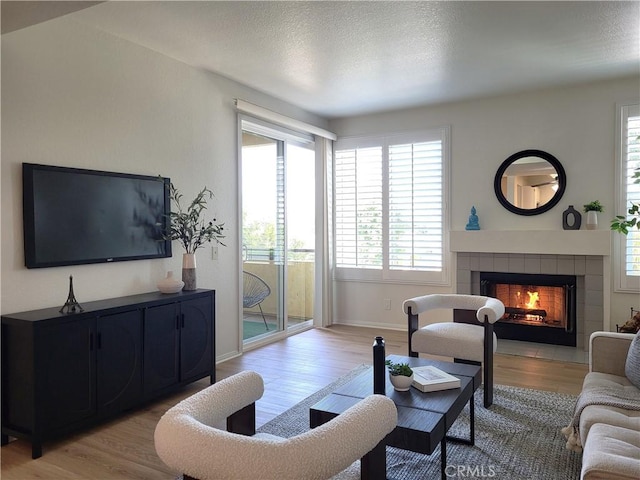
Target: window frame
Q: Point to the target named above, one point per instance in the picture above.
(623, 283)
(386, 274)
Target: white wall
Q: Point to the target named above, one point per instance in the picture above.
(77, 97)
(576, 124)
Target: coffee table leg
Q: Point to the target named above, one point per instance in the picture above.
(472, 421)
(373, 466)
(443, 459)
(472, 427)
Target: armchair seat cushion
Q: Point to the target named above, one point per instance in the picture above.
(448, 339)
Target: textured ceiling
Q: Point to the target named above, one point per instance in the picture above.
(345, 58)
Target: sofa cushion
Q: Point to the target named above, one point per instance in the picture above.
(599, 379)
(632, 365)
(594, 414)
(611, 453)
(605, 414)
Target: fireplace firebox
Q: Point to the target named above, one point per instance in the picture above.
(538, 307)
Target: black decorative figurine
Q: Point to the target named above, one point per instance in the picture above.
(71, 305)
(576, 219)
(379, 369)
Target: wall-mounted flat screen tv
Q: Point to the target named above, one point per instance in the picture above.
(75, 216)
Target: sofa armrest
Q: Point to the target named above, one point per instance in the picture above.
(608, 352)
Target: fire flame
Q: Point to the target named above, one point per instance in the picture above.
(534, 298)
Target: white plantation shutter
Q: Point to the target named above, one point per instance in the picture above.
(415, 206)
(632, 250)
(358, 207)
(390, 208)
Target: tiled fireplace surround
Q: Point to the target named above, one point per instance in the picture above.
(523, 255)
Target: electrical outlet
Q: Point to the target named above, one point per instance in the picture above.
(214, 254)
(387, 304)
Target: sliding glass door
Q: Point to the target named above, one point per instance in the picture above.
(278, 234)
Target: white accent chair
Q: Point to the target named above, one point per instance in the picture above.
(466, 343)
(187, 440)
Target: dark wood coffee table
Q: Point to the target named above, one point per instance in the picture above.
(423, 418)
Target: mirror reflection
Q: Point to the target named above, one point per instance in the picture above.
(530, 182)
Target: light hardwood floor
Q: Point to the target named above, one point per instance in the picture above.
(292, 369)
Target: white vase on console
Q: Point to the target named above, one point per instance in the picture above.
(170, 284)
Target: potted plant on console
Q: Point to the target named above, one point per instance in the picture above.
(592, 209)
(400, 374)
(190, 228)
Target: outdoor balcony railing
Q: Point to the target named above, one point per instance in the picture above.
(267, 264)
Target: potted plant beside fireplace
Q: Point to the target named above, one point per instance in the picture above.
(621, 223)
(592, 209)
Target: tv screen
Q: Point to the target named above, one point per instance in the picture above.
(75, 216)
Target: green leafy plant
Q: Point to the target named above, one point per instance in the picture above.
(622, 224)
(594, 206)
(188, 224)
(399, 368)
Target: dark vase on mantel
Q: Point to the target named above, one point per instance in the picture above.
(379, 370)
(571, 219)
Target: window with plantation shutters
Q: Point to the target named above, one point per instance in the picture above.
(628, 251)
(358, 216)
(415, 206)
(389, 207)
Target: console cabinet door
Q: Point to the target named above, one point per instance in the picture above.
(67, 369)
(119, 361)
(196, 338)
(161, 342)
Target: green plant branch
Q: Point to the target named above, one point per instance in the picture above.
(399, 368)
(594, 206)
(188, 225)
(622, 224)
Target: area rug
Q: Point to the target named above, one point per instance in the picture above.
(518, 438)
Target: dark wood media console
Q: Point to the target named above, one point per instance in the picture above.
(63, 372)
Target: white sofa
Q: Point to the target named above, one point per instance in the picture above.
(609, 435)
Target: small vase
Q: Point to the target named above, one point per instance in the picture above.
(170, 284)
(378, 366)
(571, 219)
(400, 382)
(592, 220)
(189, 271)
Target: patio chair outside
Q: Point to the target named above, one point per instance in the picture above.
(255, 290)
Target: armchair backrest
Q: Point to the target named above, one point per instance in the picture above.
(488, 308)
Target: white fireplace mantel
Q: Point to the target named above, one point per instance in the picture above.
(552, 242)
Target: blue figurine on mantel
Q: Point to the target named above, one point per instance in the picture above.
(473, 224)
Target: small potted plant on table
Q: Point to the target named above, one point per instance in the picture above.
(400, 374)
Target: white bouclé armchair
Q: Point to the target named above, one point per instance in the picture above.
(462, 341)
(187, 440)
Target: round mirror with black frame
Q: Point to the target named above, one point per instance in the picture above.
(530, 182)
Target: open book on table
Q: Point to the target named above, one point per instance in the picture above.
(431, 379)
